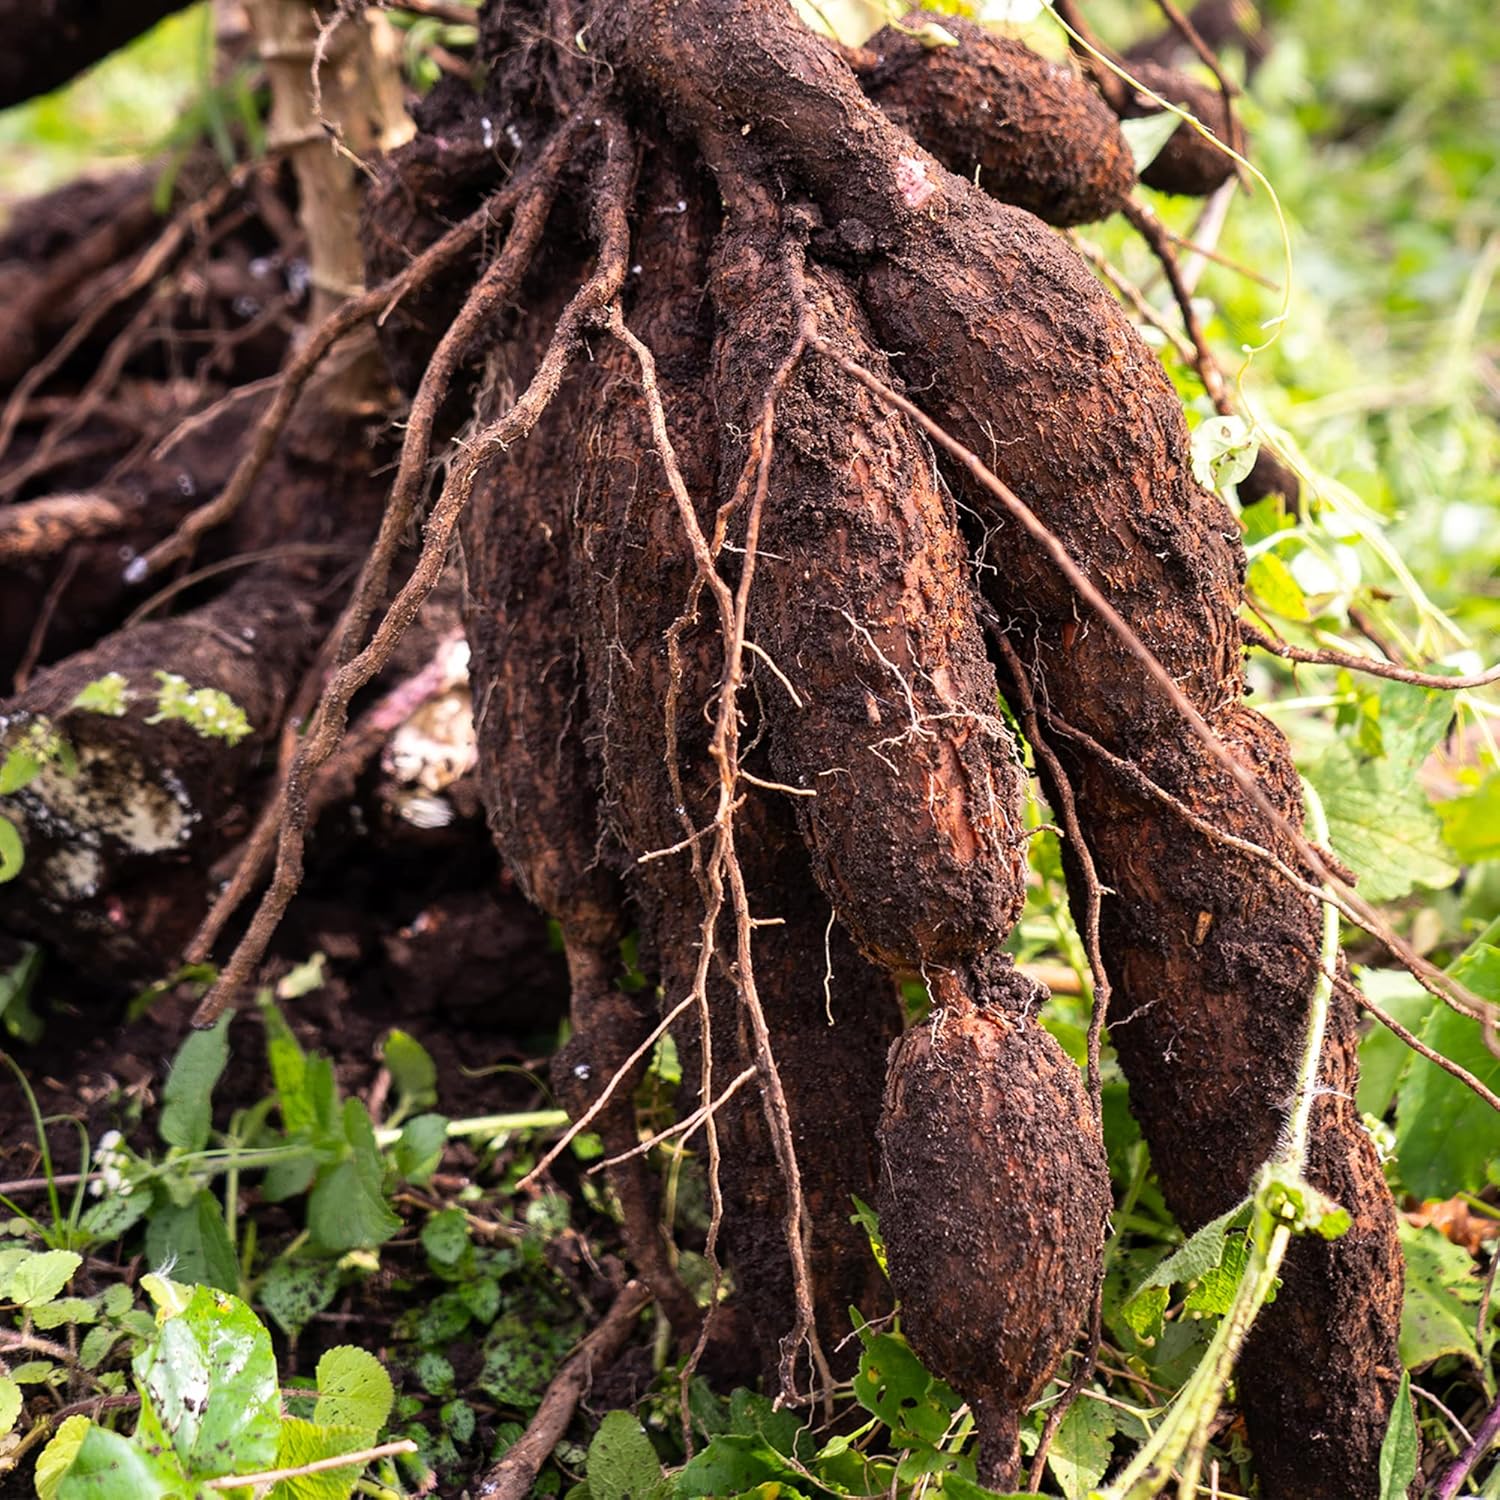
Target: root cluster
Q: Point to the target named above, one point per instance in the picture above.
(775, 413)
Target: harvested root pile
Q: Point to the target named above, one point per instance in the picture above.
(731, 687)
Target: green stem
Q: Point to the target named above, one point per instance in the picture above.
(1183, 1435)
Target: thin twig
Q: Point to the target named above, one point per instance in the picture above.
(1369, 664)
(1484, 1439)
(513, 1477)
(1189, 33)
(360, 1457)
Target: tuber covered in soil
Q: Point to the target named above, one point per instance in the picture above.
(993, 1197)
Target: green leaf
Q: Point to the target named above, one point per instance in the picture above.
(193, 1240)
(104, 695)
(97, 1343)
(1437, 1316)
(434, 1372)
(1147, 135)
(110, 1467)
(12, 851)
(1446, 1136)
(40, 1276)
(1471, 823)
(347, 1208)
(1223, 452)
(893, 1385)
(354, 1390)
(187, 1096)
(10, 1404)
(1082, 1449)
(1383, 1056)
(307, 1442)
(412, 1069)
(731, 1465)
(419, 1152)
(293, 1292)
(1379, 819)
(1201, 1253)
(78, 1311)
(109, 1217)
(622, 1463)
(54, 1460)
(520, 1356)
(1274, 586)
(1399, 1447)
(211, 1383)
(869, 1221)
(445, 1238)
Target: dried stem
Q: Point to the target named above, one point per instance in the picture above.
(1369, 664)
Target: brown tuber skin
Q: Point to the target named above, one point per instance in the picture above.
(632, 574)
(1030, 131)
(1009, 343)
(1188, 164)
(994, 1192)
(863, 601)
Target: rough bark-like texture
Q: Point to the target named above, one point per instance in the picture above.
(1007, 340)
(538, 778)
(993, 1197)
(117, 854)
(47, 42)
(1189, 163)
(863, 600)
(1030, 131)
(633, 572)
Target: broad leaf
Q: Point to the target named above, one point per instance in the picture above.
(293, 1292)
(211, 1382)
(1083, 1447)
(193, 1242)
(187, 1096)
(354, 1390)
(110, 1467)
(40, 1277)
(1442, 1290)
(1446, 1136)
(307, 1442)
(622, 1463)
(347, 1209)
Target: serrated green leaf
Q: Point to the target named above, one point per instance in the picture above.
(731, 1465)
(115, 1214)
(40, 1276)
(12, 850)
(1446, 1136)
(306, 1442)
(54, 1460)
(11, 1401)
(187, 1095)
(211, 1383)
(347, 1209)
(622, 1464)
(419, 1152)
(78, 1311)
(1400, 1447)
(354, 1390)
(97, 1343)
(293, 1292)
(1437, 1315)
(193, 1241)
(1200, 1254)
(1082, 1449)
